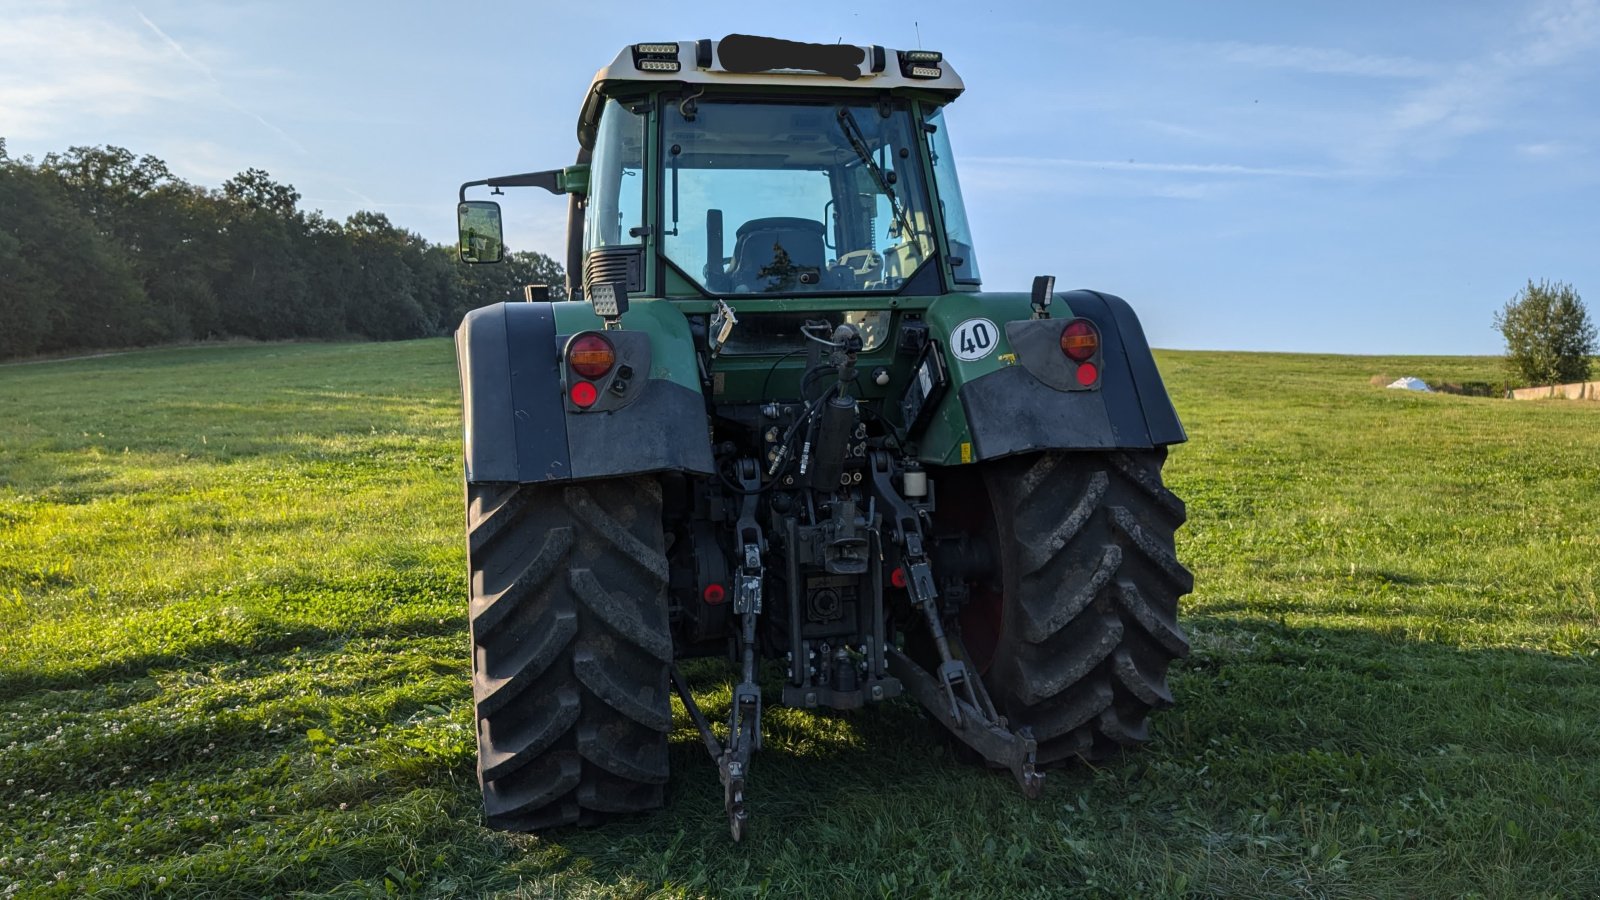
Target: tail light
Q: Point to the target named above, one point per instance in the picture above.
(1080, 340)
(583, 394)
(592, 356)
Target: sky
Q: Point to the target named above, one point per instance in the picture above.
(1352, 177)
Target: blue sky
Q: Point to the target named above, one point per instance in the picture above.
(1353, 177)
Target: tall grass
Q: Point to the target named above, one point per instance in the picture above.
(233, 659)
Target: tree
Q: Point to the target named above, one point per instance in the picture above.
(63, 284)
(266, 291)
(382, 301)
(1549, 338)
(101, 247)
(255, 190)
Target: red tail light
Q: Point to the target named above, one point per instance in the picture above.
(591, 355)
(1080, 340)
(583, 394)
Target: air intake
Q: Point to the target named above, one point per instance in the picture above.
(610, 264)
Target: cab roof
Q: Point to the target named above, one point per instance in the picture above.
(747, 60)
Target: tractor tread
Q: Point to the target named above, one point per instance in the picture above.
(1089, 585)
(582, 503)
(1070, 659)
(1165, 560)
(1150, 689)
(1142, 477)
(570, 644)
(1072, 709)
(1042, 624)
(602, 749)
(510, 751)
(646, 710)
(1043, 548)
(556, 775)
(499, 507)
(615, 612)
(618, 796)
(1113, 725)
(525, 661)
(1163, 629)
(491, 611)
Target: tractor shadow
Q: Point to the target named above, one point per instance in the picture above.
(1254, 697)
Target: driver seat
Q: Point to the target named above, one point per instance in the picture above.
(754, 248)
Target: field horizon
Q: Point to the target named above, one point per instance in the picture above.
(220, 343)
(233, 658)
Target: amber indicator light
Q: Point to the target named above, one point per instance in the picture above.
(1080, 341)
(591, 356)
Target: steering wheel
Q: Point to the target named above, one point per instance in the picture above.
(864, 264)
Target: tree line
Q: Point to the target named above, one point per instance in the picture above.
(100, 248)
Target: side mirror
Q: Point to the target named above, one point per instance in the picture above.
(482, 238)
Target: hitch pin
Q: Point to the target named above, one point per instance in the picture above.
(722, 322)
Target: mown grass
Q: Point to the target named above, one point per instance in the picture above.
(233, 659)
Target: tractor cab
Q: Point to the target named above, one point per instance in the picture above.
(752, 168)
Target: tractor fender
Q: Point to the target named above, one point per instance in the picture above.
(518, 427)
(1011, 410)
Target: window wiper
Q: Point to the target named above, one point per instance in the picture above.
(858, 143)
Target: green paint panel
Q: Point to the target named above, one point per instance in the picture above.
(760, 303)
(671, 349)
(943, 440)
(575, 179)
(748, 379)
(753, 379)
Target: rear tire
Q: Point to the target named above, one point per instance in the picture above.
(1088, 600)
(570, 649)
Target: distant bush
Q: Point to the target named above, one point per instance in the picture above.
(1549, 338)
(1468, 388)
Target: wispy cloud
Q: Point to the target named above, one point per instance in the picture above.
(1350, 112)
(175, 46)
(363, 198)
(1480, 94)
(1188, 133)
(1554, 33)
(201, 159)
(1547, 150)
(210, 76)
(57, 68)
(62, 67)
(1188, 181)
(1169, 168)
(1324, 60)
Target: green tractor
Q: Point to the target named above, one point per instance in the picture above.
(777, 421)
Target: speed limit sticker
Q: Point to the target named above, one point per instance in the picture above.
(974, 339)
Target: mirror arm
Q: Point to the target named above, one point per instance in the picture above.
(550, 181)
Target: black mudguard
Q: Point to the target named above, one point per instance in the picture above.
(1010, 411)
(516, 426)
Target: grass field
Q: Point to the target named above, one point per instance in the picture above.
(233, 659)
